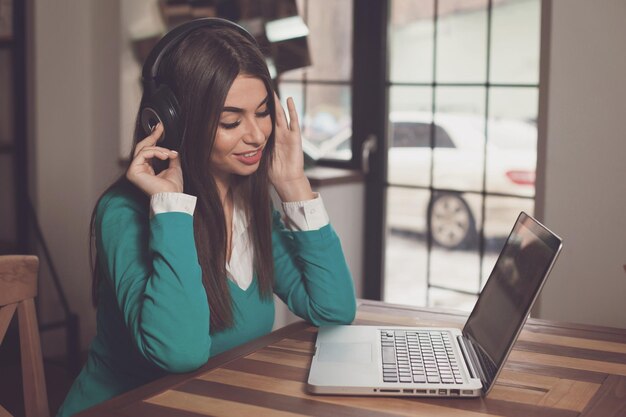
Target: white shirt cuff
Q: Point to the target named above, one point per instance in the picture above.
(172, 202)
(306, 215)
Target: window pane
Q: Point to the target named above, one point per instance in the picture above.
(460, 121)
(330, 40)
(512, 141)
(295, 75)
(411, 41)
(455, 219)
(410, 99)
(515, 39)
(469, 101)
(450, 299)
(514, 103)
(327, 121)
(500, 215)
(407, 210)
(455, 261)
(406, 255)
(409, 127)
(462, 41)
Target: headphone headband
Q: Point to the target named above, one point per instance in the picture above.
(151, 66)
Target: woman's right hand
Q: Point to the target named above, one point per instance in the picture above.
(141, 173)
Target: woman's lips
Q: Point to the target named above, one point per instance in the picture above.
(250, 158)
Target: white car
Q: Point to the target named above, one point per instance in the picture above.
(456, 164)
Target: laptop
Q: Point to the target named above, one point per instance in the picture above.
(414, 361)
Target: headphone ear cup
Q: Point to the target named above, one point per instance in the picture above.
(163, 107)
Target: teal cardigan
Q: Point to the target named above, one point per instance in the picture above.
(153, 314)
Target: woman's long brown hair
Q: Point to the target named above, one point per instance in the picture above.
(200, 71)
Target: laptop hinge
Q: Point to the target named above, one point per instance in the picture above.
(471, 359)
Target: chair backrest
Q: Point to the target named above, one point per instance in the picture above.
(18, 288)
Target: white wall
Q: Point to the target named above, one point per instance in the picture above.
(139, 19)
(75, 132)
(584, 195)
(345, 206)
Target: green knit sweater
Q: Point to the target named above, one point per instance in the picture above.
(153, 314)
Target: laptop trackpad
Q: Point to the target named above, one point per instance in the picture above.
(345, 352)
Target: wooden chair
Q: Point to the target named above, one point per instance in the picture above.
(18, 289)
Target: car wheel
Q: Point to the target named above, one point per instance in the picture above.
(451, 222)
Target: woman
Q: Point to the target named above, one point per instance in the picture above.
(189, 254)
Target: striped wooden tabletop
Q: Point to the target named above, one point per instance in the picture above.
(555, 369)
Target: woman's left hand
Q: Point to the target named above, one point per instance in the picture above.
(287, 173)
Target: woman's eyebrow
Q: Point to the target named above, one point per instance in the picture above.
(240, 110)
(232, 109)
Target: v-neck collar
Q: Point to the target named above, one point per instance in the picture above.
(247, 291)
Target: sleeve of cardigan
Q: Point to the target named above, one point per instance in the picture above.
(311, 274)
(152, 266)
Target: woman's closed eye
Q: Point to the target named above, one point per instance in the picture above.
(263, 113)
(232, 125)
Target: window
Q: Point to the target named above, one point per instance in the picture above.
(322, 92)
(463, 75)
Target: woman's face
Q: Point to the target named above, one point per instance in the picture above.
(244, 127)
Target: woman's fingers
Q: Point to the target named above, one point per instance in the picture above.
(155, 151)
(294, 124)
(281, 116)
(150, 140)
(141, 173)
(174, 160)
(141, 164)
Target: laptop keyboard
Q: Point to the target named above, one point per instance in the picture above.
(419, 356)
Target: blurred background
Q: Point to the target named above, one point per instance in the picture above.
(428, 126)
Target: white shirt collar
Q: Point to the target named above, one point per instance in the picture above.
(240, 267)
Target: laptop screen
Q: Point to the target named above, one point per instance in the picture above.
(509, 293)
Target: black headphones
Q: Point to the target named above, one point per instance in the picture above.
(159, 103)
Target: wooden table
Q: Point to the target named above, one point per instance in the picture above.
(555, 369)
